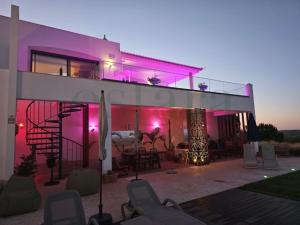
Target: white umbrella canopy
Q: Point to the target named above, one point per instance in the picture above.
(103, 124)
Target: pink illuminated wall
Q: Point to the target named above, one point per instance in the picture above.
(21, 147)
(123, 118)
(93, 133)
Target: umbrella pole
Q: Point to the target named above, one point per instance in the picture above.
(136, 145)
(101, 218)
(100, 191)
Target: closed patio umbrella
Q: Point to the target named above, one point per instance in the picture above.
(102, 218)
(252, 132)
(103, 127)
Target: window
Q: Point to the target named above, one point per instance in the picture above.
(83, 69)
(63, 65)
(49, 65)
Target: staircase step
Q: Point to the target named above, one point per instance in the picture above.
(42, 138)
(47, 153)
(45, 143)
(71, 110)
(46, 148)
(52, 121)
(75, 106)
(45, 132)
(45, 127)
(63, 115)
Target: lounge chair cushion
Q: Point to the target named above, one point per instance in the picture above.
(64, 208)
(142, 195)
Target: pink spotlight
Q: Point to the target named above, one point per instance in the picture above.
(92, 127)
(155, 124)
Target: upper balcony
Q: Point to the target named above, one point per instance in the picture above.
(138, 75)
(134, 69)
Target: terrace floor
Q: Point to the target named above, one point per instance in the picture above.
(240, 207)
(188, 184)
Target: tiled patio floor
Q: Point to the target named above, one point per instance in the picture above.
(189, 183)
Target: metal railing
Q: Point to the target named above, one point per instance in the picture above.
(149, 76)
(164, 77)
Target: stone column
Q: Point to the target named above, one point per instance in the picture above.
(197, 133)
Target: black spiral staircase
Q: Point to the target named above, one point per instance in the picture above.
(44, 134)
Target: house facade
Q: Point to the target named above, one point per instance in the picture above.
(50, 85)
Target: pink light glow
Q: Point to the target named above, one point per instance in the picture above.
(92, 127)
(155, 124)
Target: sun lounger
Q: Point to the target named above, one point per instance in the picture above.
(250, 160)
(269, 156)
(144, 201)
(65, 208)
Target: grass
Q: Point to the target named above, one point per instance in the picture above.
(284, 186)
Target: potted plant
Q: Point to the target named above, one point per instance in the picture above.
(27, 167)
(202, 86)
(153, 136)
(153, 80)
(110, 177)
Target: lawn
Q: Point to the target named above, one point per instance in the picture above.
(285, 186)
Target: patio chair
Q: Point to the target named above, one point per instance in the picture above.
(144, 201)
(65, 208)
(250, 160)
(117, 166)
(269, 156)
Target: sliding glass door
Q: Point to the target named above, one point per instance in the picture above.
(64, 66)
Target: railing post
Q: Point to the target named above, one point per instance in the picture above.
(191, 79)
(60, 141)
(101, 70)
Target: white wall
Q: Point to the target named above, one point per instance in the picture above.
(3, 121)
(4, 42)
(49, 87)
(43, 38)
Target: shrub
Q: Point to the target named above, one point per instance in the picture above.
(269, 132)
(27, 167)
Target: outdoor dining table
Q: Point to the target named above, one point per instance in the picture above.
(148, 159)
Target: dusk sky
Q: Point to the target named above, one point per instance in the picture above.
(241, 41)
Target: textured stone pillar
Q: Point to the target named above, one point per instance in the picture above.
(197, 132)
